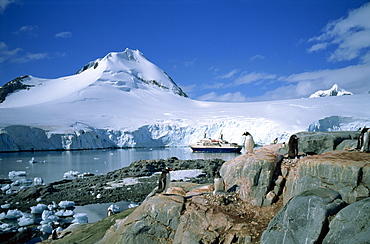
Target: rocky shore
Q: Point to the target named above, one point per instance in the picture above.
(320, 196)
(132, 183)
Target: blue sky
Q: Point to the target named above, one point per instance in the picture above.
(232, 51)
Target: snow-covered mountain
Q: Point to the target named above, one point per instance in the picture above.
(334, 91)
(123, 100)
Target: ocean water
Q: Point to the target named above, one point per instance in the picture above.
(51, 165)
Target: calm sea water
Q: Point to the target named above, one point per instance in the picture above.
(52, 165)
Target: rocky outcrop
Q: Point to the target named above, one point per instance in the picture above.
(304, 218)
(155, 221)
(345, 172)
(251, 175)
(351, 225)
(191, 214)
(320, 142)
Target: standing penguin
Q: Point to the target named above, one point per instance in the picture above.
(248, 143)
(360, 140)
(218, 183)
(164, 180)
(293, 146)
(365, 141)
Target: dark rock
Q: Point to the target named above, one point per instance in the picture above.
(320, 142)
(351, 225)
(304, 218)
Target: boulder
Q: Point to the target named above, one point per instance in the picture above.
(154, 221)
(351, 225)
(304, 218)
(320, 142)
(251, 175)
(345, 172)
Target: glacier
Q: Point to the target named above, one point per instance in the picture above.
(123, 100)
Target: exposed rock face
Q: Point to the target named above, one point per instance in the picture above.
(192, 217)
(303, 219)
(251, 175)
(351, 225)
(320, 142)
(345, 172)
(155, 221)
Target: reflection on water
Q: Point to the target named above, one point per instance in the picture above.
(51, 165)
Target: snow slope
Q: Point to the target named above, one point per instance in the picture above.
(123, 100)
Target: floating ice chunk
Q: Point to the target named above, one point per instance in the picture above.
(52, 206)
(10, 191)
(48, 217)
(46, 228)
(22, 182)
(64, 213)
(71, 174)
(13, 214)
(132, 205)
(66, 204)
(80, 218)
(5, 226)
(2, 216)
(114, 209)
(45, 214)
(6, 187)
(185, 174)
(33, 160)
(39, 199)
(5, 206)
(25, 221)
(16, 173)
(86, 174)
(38, 181)
(99, 196)
(38, 209)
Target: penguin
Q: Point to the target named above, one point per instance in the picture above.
(248, 143)
(109, 212)
(164, 180)
(365, 141)
(293, 146)
(218, 183)
(276, 140)
(54, 234)
(360, 140)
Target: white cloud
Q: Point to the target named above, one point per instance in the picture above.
(6, 53)
(5, 3)
(252, 77)
(350, 35)
(64, 35)
(28, 30)
(317, 47)
(256, 57)
(355, 79)
(189, 63)
(228, 75)
(30, 57)
(227, 97)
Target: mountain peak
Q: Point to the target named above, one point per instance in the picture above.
(335, 90)
(128, 71)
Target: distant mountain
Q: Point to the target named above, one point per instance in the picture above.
(124, 100)
(334, 91)
(126, 71)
